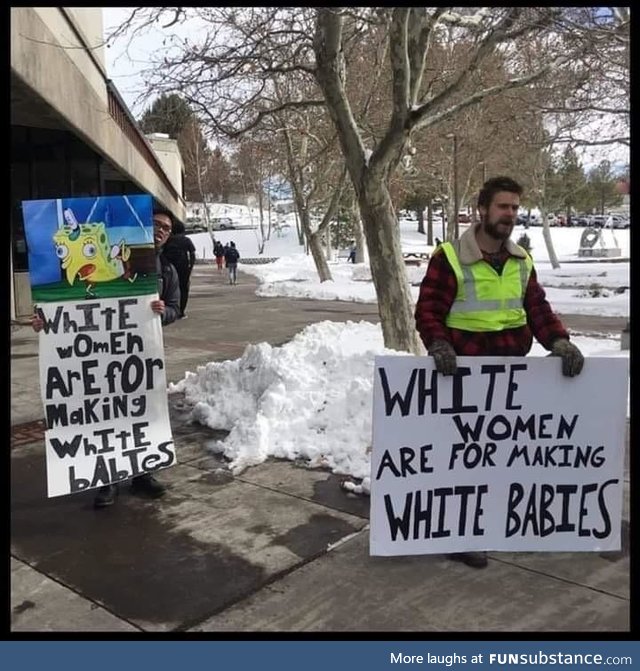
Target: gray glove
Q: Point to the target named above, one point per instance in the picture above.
(444, 357)
(572, 359)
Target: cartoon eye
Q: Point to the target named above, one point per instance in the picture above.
(62, 251)
(89, 250)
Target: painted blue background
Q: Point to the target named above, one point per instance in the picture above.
(298, 655)
(128, 217)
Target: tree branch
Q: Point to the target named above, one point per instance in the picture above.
(419, 118)
(399, 63)
(419, 38)
(484, 48)
(327, 46)
(333, 205)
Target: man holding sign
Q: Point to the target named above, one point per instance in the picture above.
(103, 382)
(480, 297)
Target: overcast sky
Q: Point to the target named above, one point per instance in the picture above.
(125, 61)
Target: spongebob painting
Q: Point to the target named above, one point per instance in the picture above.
(90, 247)
(85, 253)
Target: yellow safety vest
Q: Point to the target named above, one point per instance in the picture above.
(486, 301)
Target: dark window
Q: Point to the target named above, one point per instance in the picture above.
(84, 168)
(50, 168)
(47, 163)
(20, 190)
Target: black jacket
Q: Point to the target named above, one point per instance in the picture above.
(168, 288)
(231, 255)
(180, 252)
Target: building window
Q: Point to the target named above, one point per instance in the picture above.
(20, 190)
(47, 163)
(84, 168)
(50, 168)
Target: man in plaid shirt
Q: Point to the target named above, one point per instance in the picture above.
(456, 316)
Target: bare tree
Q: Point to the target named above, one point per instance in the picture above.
(197, 161)
(228, 77)
(411, 31)
(596, 87)
(305, 193)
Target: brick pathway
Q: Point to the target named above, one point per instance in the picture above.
(23, 434)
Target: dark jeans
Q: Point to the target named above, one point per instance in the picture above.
(232, 268)
(184, 281)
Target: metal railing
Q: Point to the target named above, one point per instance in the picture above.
(121, 115)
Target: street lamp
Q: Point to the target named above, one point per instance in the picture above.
(484, 179)
(456, 204)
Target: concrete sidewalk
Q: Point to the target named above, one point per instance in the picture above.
(278, 548)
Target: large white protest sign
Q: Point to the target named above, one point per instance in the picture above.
(103, 385)
(508, 454)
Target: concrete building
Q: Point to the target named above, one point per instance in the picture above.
(71, 132)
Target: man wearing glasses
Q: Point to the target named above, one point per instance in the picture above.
(168, 307)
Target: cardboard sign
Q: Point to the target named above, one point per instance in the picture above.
(103, 386)
(507, 454)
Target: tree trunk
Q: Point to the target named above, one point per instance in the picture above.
(269, 212)
(429, 222)
(329, 250)
(546, 234)
(313, 244)
(262, 240)
(420, 215)
(358, 233)
(387, 268)
(452, 215)
(299, 230)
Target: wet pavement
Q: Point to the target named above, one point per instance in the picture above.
(277, 548)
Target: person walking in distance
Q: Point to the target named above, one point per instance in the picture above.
(231, 257)
(352, 252)
(180, 251)
(167, 307)
(218, 252)
(480, 297)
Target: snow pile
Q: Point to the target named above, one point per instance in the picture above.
(308, 400)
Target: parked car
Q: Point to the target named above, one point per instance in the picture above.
(222, 223)
(597, 220)
(194, 225)
(619, 221)
(463, 218)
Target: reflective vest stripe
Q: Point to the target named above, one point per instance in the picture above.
(470, 303)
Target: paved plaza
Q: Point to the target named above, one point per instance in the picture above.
(277, 548)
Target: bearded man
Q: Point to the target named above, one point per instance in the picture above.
(480, 297)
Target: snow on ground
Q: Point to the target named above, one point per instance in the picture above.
(587, 287)
(281, 243)
(311, 399)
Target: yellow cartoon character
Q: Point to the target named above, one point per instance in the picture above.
(85, 252)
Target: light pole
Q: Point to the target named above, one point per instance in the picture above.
(456, 204)
(474, 214)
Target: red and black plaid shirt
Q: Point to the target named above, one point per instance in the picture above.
(437, 293)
